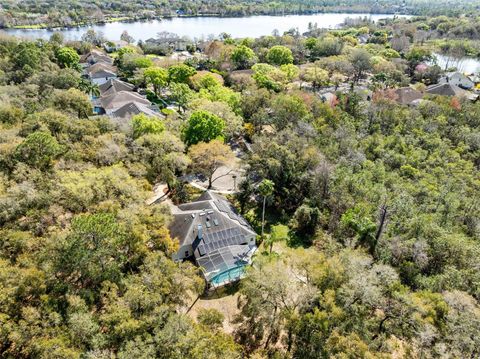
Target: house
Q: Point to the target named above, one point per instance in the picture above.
(112, 46)
(113, 86)
(113, 102)
(458, 79)
(168, 41)
(363, 38)
(134, 108)
(99, 77)
(100, 66)
(406, 95)
(95, 56)
(101, 72)
(215, 236)
(448, 89)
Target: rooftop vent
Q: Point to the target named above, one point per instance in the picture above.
(200, 232)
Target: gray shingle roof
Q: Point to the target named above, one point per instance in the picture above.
(121, 98)
(213, 212)
(134, 108)
(406, 95)
(114, 85)
(221, 239)
(95, 56)
(98, 74)
(446, 89)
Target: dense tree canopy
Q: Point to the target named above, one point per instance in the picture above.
(366, 207)
(203, 126)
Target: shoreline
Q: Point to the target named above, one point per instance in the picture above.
(126, 19)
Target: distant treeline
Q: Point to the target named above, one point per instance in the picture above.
(79, 12)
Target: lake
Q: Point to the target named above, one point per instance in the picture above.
(465, 64)
(203, 27)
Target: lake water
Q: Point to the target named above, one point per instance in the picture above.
(466, 64)
(203, 27)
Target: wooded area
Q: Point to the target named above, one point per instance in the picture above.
(367, 206)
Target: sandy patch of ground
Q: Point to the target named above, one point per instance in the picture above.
(226, 304)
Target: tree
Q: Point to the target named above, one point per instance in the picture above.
(180, 73)
(324, 47)
(306, 219)
(157, 77)
(265, 188)
(181, 94)
(89, 88)
(93, 37)
(417, 55)
(233, 122)
(316, 75)
(288, 110)
(279, 55)
(143, 124)
(242, 57)
(92, 251)
(68, 57)
(74, 101)
(126, 37)
(163, 156)
(278, 233)
(269, 77)
(38, 150)
(207, 158)
(271, 296)
(360, 60)
(211, 318)
(206, 80)
(203, 126)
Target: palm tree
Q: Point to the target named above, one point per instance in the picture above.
(89, 88)
(265, 188)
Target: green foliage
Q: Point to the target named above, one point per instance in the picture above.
(180, 73)
(163, 155)
(363, 227)
(211, 318)
(67, 57)
(278, 233)
(38, 150)
(181, 94)
(203, 126)
(379, 199)
(279, 55)
(11, 114)
(242, 57)
(270, 77)
(157, 77)
(142, 125)
(93, 251)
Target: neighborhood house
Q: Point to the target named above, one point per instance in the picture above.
(215, 236)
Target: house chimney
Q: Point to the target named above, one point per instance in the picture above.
(200, 232)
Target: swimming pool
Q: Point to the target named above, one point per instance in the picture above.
(228, 276)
